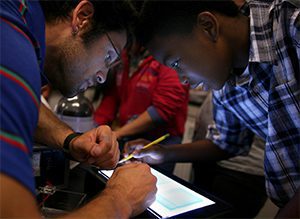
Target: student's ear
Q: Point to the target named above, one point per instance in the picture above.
(82, 16)
(209, 24)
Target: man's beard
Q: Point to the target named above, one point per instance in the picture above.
(60, 70)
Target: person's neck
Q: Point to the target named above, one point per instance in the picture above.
(240, 42)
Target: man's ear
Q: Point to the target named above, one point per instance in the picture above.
(209, 25)
(82, 16)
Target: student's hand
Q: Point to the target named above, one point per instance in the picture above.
(98, 146)
(134, 185)
(152, 155)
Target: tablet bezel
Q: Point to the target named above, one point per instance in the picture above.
(217, 209)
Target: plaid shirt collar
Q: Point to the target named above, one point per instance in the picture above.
(262, 49)
(261, 30)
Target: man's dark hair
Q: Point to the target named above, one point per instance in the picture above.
(109, 15)
(177, 17)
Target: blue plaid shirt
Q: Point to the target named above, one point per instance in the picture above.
(265, 98)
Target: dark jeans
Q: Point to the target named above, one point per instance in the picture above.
(245, 192)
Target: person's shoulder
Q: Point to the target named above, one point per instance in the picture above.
(11, 11)
(24, 16)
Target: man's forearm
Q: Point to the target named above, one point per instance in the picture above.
(50, 130)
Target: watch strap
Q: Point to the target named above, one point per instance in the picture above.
(69, 138)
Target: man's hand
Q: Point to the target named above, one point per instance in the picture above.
(151, 155)
(130, 190)
(98, 146)
(134, 185)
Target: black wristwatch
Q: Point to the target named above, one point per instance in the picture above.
(66, 145)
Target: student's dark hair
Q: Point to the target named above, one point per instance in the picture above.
(109, 15)
(176, 17)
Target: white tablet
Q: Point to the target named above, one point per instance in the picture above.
(172, 198)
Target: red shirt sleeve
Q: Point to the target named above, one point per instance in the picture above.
(107, 110)
(170, 95)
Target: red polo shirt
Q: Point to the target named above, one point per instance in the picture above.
(152, 87)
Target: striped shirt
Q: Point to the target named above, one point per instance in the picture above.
(265, 99)
(22, 51)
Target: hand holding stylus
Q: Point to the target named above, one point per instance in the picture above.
(149, 156)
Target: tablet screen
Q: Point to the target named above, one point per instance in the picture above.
(172, 198)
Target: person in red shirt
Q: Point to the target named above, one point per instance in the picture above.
(146, 99)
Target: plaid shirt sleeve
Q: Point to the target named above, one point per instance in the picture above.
(282, 162)
(228, 131)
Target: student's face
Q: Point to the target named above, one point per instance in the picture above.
(195, 56)
(73, 67)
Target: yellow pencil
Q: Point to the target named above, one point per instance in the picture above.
(146, 146)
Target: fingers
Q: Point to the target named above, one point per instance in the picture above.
(131, 146)
(108, 161)
(139, 196)
(133, 149)
(152, 155)
(106, 153)
(106, 143)
(98, 146)
(148, 152)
